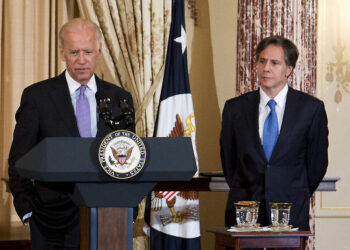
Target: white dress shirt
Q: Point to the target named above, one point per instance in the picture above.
(264, 109)
(90, 94)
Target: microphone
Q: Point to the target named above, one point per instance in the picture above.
(127, 112)
(123, 121)
(103, 110)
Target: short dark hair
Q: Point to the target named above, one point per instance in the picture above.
(291, 53)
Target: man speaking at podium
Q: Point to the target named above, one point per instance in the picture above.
(64, 106)
(274, 140)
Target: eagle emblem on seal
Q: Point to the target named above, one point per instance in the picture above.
(121, 156)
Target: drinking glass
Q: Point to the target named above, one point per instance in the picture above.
(280, 213)
(247, 213)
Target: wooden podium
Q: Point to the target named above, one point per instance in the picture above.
(75, 160)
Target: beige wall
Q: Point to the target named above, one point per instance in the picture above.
(212, 70)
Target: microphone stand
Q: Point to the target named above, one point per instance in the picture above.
(123, 121)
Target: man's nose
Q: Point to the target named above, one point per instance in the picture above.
(267, 66)
(81, 58)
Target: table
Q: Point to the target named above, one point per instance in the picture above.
(239, 240)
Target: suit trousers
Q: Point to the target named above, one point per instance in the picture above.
(65, 240)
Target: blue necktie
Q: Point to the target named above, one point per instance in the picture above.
(270, 133)
(83, 113)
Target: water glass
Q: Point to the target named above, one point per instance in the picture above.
(280, 213)
(246, 213)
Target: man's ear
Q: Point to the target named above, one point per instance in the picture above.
(289, 71)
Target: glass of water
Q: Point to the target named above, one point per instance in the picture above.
(280, 213)
(247, 213)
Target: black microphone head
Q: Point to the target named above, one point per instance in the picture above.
(124, 105)
(101, 97)
(103, 109)
(127, 112)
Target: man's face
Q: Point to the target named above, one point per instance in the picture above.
(81, 53)
(272, 69)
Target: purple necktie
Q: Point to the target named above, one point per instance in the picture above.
(83, 113)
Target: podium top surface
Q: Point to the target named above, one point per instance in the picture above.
(75, 159)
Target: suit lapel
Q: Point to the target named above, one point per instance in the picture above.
(60, 96)
(290, 112)
(252, 111)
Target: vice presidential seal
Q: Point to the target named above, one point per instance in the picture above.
(122, 154)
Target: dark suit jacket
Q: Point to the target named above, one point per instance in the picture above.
(46, 110)
(297, 164)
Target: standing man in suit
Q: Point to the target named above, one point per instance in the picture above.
(274, 140)
(64, 106)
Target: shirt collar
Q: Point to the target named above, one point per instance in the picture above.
(73, 85)
(280, 98)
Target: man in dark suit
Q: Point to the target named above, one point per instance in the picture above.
(64, 106)
(274, 140)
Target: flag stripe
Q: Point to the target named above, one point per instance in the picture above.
(169, 194)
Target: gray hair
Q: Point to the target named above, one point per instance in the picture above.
(79, 24)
